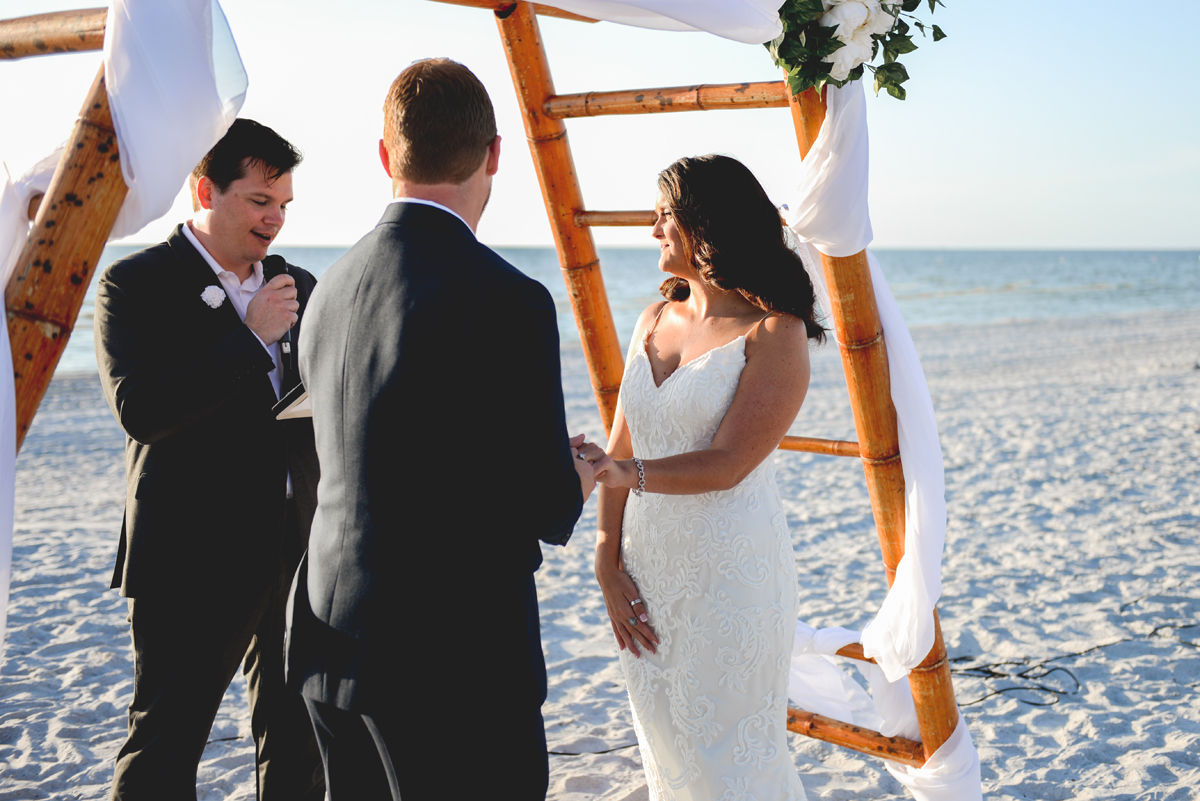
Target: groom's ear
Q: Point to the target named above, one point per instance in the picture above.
(386, 159)
(493, 156)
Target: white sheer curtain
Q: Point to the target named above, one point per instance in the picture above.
(749, 21)
(829, 215)
(175, 84)
(14, 229)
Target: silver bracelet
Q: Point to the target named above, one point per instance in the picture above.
(641, 487)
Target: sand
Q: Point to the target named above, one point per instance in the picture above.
(1071, 602)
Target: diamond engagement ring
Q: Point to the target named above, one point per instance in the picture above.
(635, 602)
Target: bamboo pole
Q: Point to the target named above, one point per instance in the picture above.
(856, 738)
(864, 360)
(500, 6)
(704, 97)
(56, 265)
(586, 218)
(46, 34)
(829, 447)
(560, 190)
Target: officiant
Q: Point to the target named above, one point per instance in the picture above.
(194, 344)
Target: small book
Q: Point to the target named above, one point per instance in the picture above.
(293, 405)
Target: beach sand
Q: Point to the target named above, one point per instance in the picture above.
(1071, 597)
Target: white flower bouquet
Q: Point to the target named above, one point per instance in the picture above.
(833, 41)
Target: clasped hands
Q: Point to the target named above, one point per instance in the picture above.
(597, 467)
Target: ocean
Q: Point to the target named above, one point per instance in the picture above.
(932, 287)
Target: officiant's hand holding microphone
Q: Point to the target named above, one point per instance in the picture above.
(273, 311)
(590, 459)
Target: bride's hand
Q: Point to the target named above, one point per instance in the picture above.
(617, 474)
(628, 619)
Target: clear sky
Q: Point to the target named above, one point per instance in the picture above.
(1036, 124)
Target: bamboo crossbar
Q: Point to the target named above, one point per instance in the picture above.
(856, 738)
(502, 6)
(703, 97)
(829, 447)
(46, 34)
(854, 651)
(614, 218)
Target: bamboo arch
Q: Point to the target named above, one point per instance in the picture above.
(73, 221)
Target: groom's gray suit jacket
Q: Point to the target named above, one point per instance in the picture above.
(433, 369)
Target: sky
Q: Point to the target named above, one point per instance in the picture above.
(1037, 124)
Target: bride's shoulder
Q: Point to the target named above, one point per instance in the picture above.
(646, 320)
(778, 333)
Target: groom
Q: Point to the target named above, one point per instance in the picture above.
(437, 402)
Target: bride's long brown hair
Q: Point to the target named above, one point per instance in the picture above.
(734, 239)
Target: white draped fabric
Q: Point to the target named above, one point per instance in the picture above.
(14, 229)
(175, 84)
(829, 214)
(749, 21)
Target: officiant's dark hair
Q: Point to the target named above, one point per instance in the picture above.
(437, 122)
(734, 238)
(245, 144)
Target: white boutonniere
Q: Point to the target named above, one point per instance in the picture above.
(214, 296)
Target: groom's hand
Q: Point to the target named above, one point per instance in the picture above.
(590, 461)
(273, 310)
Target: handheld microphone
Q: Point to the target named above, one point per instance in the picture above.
(273, 266)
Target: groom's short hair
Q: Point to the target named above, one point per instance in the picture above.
(437, 123)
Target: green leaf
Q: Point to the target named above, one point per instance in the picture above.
(895, 91)
(920, 26)
(901, 45)
(938, 34)
(910, 5)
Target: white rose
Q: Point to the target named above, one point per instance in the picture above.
(214, 296)
(856, 21)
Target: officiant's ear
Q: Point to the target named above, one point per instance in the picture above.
(493, 156)
(204, 193)
(386, 159)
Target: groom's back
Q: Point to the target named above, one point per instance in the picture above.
(419, 333)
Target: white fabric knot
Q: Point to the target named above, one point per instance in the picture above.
(214, 296)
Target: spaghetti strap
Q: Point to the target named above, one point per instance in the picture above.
(754, 327)
(654, 325)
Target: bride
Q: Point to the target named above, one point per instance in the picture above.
(693, 553)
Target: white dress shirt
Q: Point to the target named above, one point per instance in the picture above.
(240, 293)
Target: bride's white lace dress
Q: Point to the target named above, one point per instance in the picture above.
(717, 576)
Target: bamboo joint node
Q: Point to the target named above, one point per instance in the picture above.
(864, 344)
(936, 666)
(91, 123)
(562, 134)
(881, 460)
(573, 267)
(39, 319)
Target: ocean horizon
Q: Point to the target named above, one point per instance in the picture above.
(932, 287)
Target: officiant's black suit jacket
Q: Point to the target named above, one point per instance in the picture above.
(206, 462)
(438, 410)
